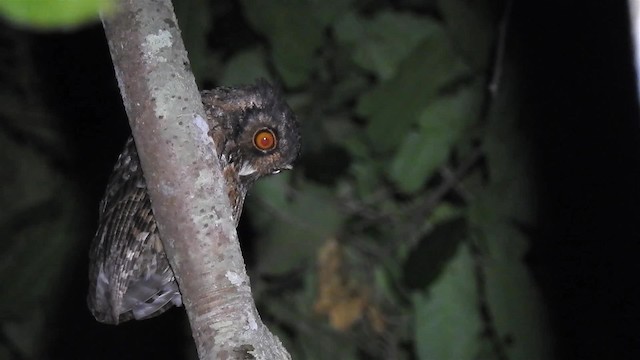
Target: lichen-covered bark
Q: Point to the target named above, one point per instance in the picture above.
(184, 182)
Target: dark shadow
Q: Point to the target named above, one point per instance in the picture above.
(581, 101)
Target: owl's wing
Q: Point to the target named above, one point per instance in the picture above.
(129, 274)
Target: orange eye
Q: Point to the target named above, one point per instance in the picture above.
(264, 140)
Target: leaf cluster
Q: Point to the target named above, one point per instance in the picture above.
(399, 234)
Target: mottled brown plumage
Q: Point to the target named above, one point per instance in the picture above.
(256, 134)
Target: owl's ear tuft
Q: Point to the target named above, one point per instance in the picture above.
(272, 98)
(266, 90)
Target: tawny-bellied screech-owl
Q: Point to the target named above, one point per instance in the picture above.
(256, 134)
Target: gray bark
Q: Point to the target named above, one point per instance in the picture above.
(185, 183)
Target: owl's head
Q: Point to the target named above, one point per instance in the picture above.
(256, 131)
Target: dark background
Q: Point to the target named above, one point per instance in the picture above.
(575, 58)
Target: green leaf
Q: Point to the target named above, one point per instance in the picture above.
(415, 160)
(448, 325)
(295, 30)
(381, 43)
(509, 199)
(395, 105)
(326, 12)
(443, 213)
(434, 252)
(515, 301)
(291, 227)
(245, 67)
(365, 170)
(51, 14)
(442, 124)
(367, 178)
(513, 297)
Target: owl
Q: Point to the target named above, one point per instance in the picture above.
(256, 134)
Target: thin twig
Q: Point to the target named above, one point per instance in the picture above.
(450, 182)
(500, 46)
(490, 328)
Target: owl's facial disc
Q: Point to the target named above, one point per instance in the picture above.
(265, 143)
(266, 154)
(266, 136)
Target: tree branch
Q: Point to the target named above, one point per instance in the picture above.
(185, 183)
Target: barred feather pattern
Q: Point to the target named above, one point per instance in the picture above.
(129, 274)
